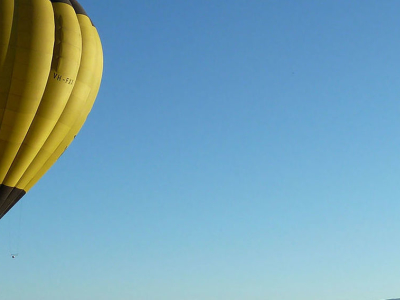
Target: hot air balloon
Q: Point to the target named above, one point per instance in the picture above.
(51, 63)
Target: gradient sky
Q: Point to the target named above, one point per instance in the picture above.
(238, 150)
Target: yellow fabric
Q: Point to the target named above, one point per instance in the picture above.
(21, 96)
(51, 64)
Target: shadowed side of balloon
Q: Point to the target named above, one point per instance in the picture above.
(9, 196)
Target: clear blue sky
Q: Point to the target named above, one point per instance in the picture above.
(237, 150)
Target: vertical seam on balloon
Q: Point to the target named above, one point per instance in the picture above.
(7, 172)
(14, 31)
(12, 170)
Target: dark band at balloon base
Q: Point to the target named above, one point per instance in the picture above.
(9, 196)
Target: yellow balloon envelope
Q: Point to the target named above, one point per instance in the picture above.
(51, 63)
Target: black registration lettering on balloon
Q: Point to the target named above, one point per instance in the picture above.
(60, 78)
